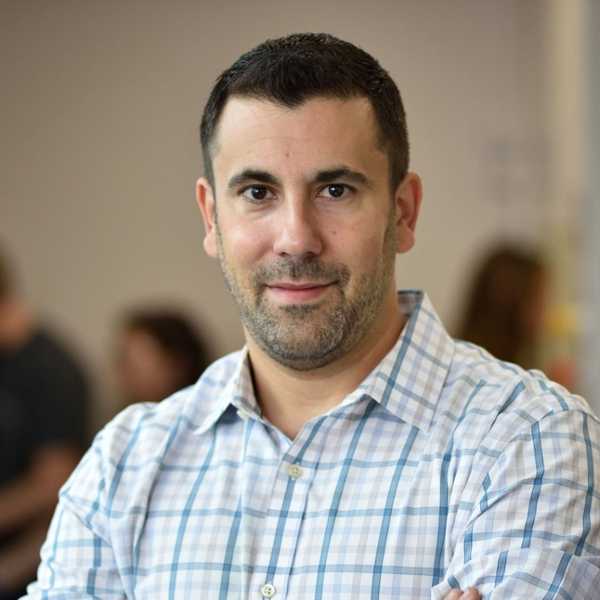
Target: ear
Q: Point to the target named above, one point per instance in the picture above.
(206, 202)
(407, 197)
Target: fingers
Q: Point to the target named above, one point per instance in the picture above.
(468, 594)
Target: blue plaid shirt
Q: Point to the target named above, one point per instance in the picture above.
(444, 468)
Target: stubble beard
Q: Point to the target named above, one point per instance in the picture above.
(305, 337)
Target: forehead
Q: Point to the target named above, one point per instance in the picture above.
(320, 131)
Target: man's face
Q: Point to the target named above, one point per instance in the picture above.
(305, 225)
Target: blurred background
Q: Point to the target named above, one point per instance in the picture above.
(99, 112)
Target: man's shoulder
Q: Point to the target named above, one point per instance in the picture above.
(48, 346)
(480, 384)
(146, 425)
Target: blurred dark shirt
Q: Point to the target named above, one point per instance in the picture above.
(43, 401)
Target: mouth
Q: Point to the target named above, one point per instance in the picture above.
(294, 292)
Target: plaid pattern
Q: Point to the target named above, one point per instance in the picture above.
(445, 468)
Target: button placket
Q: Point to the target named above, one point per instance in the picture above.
(290, 491)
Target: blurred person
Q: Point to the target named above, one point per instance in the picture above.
(352, 449)
(506, 311)
(506, 305)
(159, 351)
(43, 402)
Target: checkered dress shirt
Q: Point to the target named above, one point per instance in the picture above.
(444, 468)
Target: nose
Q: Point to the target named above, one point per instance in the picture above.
(297, 231)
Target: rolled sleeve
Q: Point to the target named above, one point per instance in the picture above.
(534, 531)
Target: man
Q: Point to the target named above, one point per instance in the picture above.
(43, 397)
(352, 449)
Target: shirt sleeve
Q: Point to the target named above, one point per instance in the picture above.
(77, 557)
(534, 531)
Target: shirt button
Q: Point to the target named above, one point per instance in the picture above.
(267, 590)
(294, 471)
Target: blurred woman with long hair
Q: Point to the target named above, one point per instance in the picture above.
(505, 306)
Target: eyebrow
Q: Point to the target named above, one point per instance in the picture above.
(252, 175)
(342, 173)
(324, 176)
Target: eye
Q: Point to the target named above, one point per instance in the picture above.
(257, 193)
(336, 190)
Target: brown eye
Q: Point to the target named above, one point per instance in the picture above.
(335, 190)
(256, 193)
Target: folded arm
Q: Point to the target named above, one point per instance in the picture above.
(535, 530)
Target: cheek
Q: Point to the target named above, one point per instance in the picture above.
(245, 244)
(358, 248)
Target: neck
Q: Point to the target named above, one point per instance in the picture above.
(289, 398)
(16, 324)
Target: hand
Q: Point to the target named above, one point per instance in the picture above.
(468, 594)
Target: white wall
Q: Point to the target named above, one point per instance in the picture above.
(100, 106)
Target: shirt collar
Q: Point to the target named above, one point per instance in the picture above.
(409, 379)
(233, 387)
(407, 382)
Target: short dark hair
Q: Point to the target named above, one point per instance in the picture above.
(295, 68)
